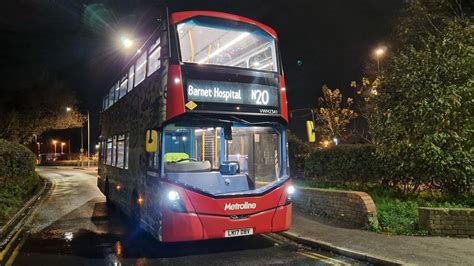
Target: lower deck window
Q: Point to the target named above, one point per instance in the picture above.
(193, 156)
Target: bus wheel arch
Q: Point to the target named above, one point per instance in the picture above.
(135, 208)
(107, 190)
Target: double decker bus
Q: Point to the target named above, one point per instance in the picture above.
(193, 133)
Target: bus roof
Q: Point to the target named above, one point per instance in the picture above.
(180, 16)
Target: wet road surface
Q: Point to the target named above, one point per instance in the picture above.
(73, 226)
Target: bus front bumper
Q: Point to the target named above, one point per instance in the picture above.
(177, 227)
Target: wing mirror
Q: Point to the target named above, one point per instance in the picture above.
(310, 131)
(151, 140)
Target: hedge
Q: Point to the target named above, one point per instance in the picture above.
(298, 151)
(344, 163)
(18, 178)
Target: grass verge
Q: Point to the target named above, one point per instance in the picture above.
(14, 193)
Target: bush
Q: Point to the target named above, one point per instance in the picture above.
(18, 178)
(344, 163)
(15, 161)
(298, 151)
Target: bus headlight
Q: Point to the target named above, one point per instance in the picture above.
(173, 195)
(290, 191)
(174, 201)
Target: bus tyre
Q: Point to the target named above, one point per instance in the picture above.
(108, 201)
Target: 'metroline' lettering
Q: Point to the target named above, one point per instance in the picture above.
(237, 206)
(215, 93)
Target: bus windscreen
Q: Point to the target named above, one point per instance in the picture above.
(212, 41)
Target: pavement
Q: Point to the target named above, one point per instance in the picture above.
(73, 226)
(403, 249)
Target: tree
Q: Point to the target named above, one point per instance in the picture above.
(366, 91)
(334, 119)
(423, 117)
(36, 108)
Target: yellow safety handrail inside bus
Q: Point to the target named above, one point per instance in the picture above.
(203, 145)
(191, 44)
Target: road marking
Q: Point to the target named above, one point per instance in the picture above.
(316, 258)
(9, 245)
(323, 258)
(15, 252)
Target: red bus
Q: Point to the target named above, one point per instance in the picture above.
(193, 133)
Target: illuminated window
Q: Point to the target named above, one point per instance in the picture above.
(108, 156)
(114, 151)
(154, 62)
(131, 75)
(117, 91)
(127, 147)
(120, 151)
(123, 86)
(226, 43)
(111, 96)
(105, 102)
(140, 69)
(103, 151)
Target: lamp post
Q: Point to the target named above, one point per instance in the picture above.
(62, 147)
(68, 109)
(379, 52)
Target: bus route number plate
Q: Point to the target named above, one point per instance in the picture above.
(239, 232)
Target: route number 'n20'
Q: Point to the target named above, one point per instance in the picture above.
(260, 97)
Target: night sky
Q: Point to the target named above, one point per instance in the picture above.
(322, 42)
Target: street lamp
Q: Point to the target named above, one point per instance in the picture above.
(54, 143)
(379, 52)
(62, 147)
(126, 41)
(68, 109)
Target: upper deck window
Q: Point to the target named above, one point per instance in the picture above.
(214, 41)
(140, 69)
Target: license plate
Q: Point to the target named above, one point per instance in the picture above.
(239, 232)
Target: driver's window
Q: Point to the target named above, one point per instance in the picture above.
(193, 144)
(154, 157)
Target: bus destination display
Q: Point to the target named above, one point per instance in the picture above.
(232, 92)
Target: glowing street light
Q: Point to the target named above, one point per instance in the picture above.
(126, 42)
(379, 52)
(62, 147)
(54, 143)
(68, 109)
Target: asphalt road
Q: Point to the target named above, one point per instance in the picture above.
(73, 226)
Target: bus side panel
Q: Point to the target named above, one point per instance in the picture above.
(140, 109)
